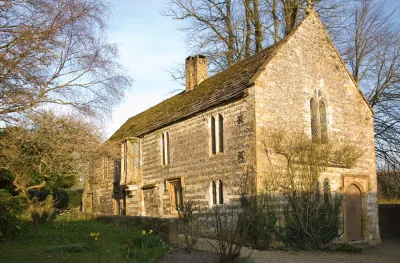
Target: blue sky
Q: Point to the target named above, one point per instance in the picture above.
(149, 43)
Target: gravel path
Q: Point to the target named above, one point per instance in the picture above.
(387, 252)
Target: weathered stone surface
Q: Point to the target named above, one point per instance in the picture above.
(278, 97)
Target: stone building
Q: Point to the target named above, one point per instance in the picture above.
(202, 143)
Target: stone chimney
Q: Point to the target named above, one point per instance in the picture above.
(196, 71)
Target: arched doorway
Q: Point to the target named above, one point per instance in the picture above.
(353, 213)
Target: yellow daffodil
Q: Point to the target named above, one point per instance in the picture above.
(98, 234)
(92, 234)
(95, 238)
(143, 232)
(151, 231)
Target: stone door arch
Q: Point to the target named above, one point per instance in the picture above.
(353, 220)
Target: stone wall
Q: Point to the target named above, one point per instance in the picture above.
(305, 63)
(191, 159)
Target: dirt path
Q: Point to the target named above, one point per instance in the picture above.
(387, 252)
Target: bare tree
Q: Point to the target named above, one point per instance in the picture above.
(371, 48)
(56, 52)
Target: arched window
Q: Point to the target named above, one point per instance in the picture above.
(217, 193)
(221, 133)
(314, 121)
(214, 192)
(319, 119)
(220, 192)
(323, 122)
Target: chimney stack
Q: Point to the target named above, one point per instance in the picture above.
(196, 71)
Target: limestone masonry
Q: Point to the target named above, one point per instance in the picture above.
(203, 143)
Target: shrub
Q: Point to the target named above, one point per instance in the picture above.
(190, 223)
(262, 219)
(41, 210)
(146, 248)
(230, 228)
(10, 208)
(311, 221)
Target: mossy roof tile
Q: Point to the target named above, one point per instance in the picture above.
(225, 86)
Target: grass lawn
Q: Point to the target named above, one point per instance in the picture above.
(70, 241)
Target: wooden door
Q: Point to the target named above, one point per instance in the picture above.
(353, 213)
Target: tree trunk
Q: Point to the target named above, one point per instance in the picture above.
(231, 37)
(248, 28)
(276, 20)
(257, 26)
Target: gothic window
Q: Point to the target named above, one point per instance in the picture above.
(213, 137)
(220, 192)
(221, 133)
(165, 148)
(217, 134)
(323, 122)
(314, 120)
(217, 192)
(214, 192)
(117, 170)
(319, 121)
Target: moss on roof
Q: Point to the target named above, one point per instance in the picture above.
(222, 87)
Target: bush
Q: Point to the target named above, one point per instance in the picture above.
(190, 223)
(310, 220)
(10, 208)
(230, 227)
(262, 221)
(75, 198)
(146, 248)
(41, 210)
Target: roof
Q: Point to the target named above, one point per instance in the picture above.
(223, 87)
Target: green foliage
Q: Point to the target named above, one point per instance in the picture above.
(74, 198)
(347, 248)
(74, 248)
(310, 220)
(147, 241)
(244, 260)
(146, 248)
(67, 241)
(263, 220)
(41, 210)
(10, 208)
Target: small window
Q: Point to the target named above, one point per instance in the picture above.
(221, 133)
(221, 192)
(217, 192)
(165, 148)
(327, 190)
(217, 134)
(214, 192)
(314, 121)
(213, 137)
(323, 122)
(319, 121)
(117, 170)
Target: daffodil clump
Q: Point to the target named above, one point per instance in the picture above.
(95, 236)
